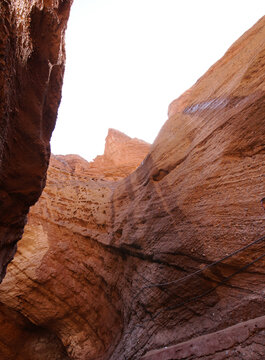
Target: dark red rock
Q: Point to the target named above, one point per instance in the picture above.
(20, 339)
(242, 341)
(31, 73)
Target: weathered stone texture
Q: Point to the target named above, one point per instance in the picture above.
(116, 269)
(61, 268)
(31, 72)
(242, 341)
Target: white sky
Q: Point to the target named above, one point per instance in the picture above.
(128, 59)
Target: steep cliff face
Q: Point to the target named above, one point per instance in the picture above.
(122, 155)
(167, 255)
(61, 267)
(31, 71)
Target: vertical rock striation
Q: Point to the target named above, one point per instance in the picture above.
(31, 73)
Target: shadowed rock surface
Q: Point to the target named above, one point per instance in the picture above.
(20, 339)
(242, 341)
(31, 71)
(117, 269)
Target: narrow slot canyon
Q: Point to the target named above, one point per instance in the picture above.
(150, 251)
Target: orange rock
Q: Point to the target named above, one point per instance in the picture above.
(121, 157)
(115, 269)
(61, 251)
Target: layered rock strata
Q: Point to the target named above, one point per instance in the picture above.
(55, 265)
(31, 71)
(122, 155)
(241, 341)
(116, 269)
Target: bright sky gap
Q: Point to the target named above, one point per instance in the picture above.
(128, 59)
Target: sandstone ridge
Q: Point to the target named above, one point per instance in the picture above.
(122, 155)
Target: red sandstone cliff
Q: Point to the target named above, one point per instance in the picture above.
(31, 72)
(122, 155)
(54, 265)
(115, 270)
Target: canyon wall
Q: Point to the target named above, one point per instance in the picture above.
(31, 72)
(116, 267)
(61, 268)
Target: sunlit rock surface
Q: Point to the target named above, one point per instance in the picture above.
(122, 155)
(31, 70)
(118, 269)
(61, 266)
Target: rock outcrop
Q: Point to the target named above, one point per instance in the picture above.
(122, 155)
(117, 269)
(31, 72)
(55, 265)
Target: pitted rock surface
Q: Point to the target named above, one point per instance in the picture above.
(31, 72)
(114, 268)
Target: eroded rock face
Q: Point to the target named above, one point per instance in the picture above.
(116, 269)
(122, 155)
(242, 341)
(31, 72)
(20, 339)
(62, 265)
